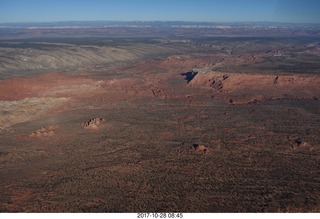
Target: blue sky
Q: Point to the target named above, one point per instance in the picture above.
(296, 11)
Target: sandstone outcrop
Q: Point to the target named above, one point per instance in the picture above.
(43, 132)
(93, 123)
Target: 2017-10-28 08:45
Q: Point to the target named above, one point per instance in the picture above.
(159, 215)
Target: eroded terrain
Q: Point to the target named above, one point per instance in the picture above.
(177, 129)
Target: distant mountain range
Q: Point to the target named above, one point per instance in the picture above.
(165, 24)
(155, 29)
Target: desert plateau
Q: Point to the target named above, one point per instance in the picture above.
(160, 117)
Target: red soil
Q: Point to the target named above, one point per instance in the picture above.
(38, 86)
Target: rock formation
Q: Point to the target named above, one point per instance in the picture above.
(46, 132)
(200, 149)
(93, 123)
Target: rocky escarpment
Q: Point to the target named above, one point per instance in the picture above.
(241, 88)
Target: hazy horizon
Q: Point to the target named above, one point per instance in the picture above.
(278, 11)
(155, 21)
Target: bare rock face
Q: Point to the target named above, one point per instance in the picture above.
(93, 123)
(43, 132)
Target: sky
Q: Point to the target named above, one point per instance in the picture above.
(293, 11)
